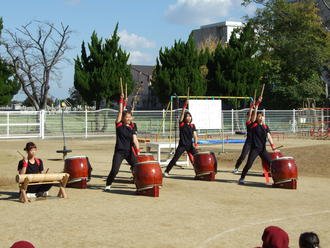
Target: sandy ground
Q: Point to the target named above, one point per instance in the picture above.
(188, 213)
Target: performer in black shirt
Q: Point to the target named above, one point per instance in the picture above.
(125, 140)
(33, 165)
(259, 133)
(187, 132)
(248, 142)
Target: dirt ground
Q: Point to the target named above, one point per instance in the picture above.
(188, 213)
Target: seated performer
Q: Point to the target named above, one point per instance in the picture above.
(260, 133)
(187, 132)
(125, 140)
(33, 165)
(274, 237)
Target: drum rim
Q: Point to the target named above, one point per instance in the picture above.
(206, 152)
(76, 157)
(150, 186)
(148, 162)
(283, 158)
(145, 154)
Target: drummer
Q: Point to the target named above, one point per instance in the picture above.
(187, 132)
(248, 142)
(125, 140)
(260, 133)
(32, 165)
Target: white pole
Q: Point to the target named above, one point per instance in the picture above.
(163, 122)
(232, 121)
(322, 121)
(86, 124)
(7, 124)
(294, 121)
(42, 124)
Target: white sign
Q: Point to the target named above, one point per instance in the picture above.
(206, 114)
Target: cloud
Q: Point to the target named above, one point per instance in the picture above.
(72, 2)
(140, 58)
(200, 12)
(133, 41)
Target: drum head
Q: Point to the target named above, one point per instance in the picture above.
(147, 162)
(75, 157)
(284, 158)
(203, 153)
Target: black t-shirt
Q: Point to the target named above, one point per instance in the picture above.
(259, 135)
(248, 131)
(186, 133)
(35, 168)
(124, 137)
(134, 127)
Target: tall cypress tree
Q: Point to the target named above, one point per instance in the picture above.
(9, 85)
(97, 74)
(178, 68)
(235, 69)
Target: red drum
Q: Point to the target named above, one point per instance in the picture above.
(148, 177)
(273, 155)
(205, 165)
(79, 169)
(144, 157)
(284, 172)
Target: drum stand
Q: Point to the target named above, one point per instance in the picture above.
(64, 151)
(206, 177)
(291, 184)
(154, 191)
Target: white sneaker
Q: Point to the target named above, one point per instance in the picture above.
(107, 188)
(45, 194)
(235, 171)
(31, 195)
(165, 174)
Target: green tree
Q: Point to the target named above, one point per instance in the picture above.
(236, 69)
(97, 74)
(295, 46)
(9, 85)
(178, 68)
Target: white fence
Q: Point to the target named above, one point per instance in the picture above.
(47, 124)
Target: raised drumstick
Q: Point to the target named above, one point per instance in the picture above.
(125, 90)
(121, 86)
(262, 90)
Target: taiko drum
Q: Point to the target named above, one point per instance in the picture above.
(147, 175)
(79, 169)
(284, 170)
(205, 163)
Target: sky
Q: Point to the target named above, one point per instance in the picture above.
(144, 25)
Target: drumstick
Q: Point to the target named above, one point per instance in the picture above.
(121, 86)
(188, 94)
(254, 96)
(262, 90)
(47, 170)
(125, 91)
(276, 148)
(20, 154)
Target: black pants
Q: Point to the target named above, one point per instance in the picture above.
(245, 151)
(118, 157)
(262, 152)
(178, 152)
(39, 188)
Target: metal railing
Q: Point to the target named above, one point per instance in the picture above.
(101, 123)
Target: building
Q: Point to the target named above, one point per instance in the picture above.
(215, 33)
(142, 98)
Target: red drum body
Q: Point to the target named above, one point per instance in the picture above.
(205, 165)
(79, 169)
(148, 177)
(284, 173)
(144, 157)
(273, 155)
